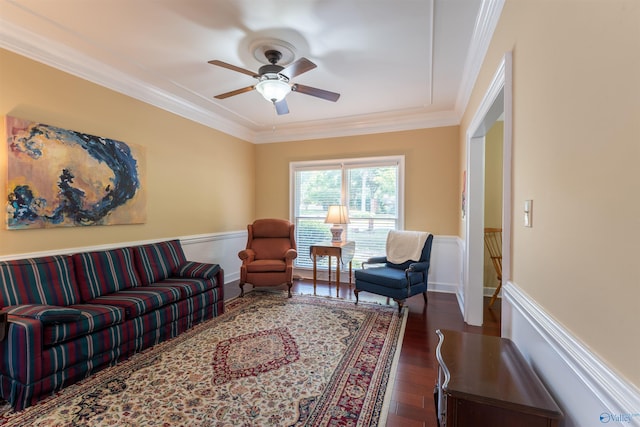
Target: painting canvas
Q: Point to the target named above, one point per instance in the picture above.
(64, 178)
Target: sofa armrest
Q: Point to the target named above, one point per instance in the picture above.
(21, 350)
(47, 314)
(197, 270)
(375, 260)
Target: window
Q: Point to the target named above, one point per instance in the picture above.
(372, 188)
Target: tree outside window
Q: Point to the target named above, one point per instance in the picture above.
(370, 188)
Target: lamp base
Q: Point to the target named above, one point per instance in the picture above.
(336, 234)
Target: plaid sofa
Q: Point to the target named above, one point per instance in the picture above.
(71, 315)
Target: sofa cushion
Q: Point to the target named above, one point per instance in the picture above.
(104, 272)
(137, 301)
(157, 261)
(47, 314)
(186, 286)
(92, 318)
(47, 280)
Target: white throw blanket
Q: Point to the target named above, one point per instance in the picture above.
(403, 246)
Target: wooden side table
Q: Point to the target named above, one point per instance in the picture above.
(343, 251)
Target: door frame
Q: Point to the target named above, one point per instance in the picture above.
(497, 100)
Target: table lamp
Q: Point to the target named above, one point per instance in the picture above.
(337, 215)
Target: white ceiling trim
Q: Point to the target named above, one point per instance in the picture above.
(349, 126)
(486, 23)
(26, 43)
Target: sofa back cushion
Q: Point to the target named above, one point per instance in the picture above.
(158, 261)
(47, 280)
(104, 272)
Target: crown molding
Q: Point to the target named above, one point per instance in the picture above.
(26, 43)
(358, 125)
(33, 46)
(486, 23)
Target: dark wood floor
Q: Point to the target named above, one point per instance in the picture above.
(412, 399)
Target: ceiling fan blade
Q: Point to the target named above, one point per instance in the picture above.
(234, 68)
(234, 92)
(281, 107)
(298, 67)
(313, 91)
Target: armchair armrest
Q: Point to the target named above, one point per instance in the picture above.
(418, 267)
(247, 255)
(291, 254)
(375, 260)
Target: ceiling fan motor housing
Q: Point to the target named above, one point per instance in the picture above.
(273, 56)
(270, 69)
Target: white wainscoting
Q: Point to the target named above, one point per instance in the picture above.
(446, 264)
(217, 248)
(584, 387)
(444, 272)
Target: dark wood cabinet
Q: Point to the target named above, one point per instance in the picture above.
(485, 381)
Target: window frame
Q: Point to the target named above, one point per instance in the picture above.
(344, 165)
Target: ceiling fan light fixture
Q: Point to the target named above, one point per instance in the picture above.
(273, 89)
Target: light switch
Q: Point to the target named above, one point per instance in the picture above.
(528, 205)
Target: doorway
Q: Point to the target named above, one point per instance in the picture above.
(497, 102)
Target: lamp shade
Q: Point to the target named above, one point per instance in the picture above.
(273, 90)
(337, 214)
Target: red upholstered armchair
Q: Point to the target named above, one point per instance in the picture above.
(268, 259)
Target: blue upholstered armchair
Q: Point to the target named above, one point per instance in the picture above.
(399, 280)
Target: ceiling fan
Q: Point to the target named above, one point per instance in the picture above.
(274, 81)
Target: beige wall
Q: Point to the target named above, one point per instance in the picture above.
(494, 140)
(576, 154)
(493, 176)
(190, 189)
(431, 179)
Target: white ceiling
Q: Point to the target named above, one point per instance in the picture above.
(398, 64)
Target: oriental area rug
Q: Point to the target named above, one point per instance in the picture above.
(267, 361)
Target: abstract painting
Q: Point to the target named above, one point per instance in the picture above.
(63, 178)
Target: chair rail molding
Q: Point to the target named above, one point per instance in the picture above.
(444, 271)
(584, 386)
(217, 248)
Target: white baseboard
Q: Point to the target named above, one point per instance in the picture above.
(584, 386)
